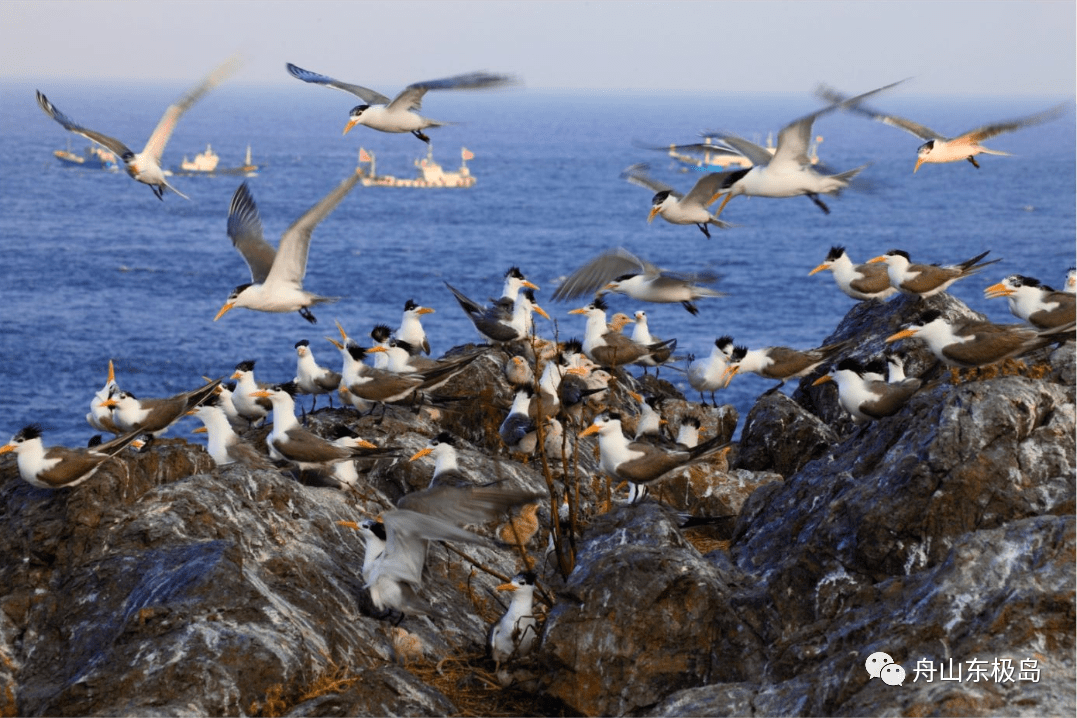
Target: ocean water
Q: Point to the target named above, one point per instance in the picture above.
(96, 268)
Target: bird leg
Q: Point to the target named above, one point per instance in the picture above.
(704, 230)
(159, 190)
(972, 159)
(818, 202)
(305, 313)
(421, 136)
(692, 308)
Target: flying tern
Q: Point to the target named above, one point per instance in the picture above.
(939, 149)
(145, 166)
(618, 270)
(678, 208)
(277, 275)
(397, 115)
(789, 171)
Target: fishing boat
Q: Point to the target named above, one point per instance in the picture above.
(431, 174)
(94, 157)
(207, 163)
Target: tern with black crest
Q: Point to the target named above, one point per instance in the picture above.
(277, 275)
(678, 208)
(620, 271)
(939, 149)
(927, 280)
(399, 114)
(610, 348)
(58, 467)
(859, 281)
(866, 399)
(789, 171)
(515, 635)
(411, 328)
(145, 166)
(154, 416)
(781, 363)
(709, 375)
(1037, 304)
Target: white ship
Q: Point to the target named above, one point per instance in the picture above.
(431, 173)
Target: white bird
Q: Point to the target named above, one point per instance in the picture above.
(620, 271)
(709, 375)
(145, 166)
(154, 416)
(396, 115)
(58, 466)
(969, 343)
(1071, 281)
(518, 430)
(939, 149)
(927, 280)
(781, 363)
(864, 399)
(677, 208)
(253, 409)
(641, 334)
(411, 327)
(688, 432)
(311, 377)
(100, 416)
(1037, 304)
(514, 636)
(277, 275)
(789, 171)
(859, 281)
(223, 444)
(610, 348)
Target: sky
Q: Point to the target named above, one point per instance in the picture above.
(968, 48)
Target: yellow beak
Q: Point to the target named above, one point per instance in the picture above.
(224, 310)
(821, 267)
(654, 211)
(822, 380)
(348, 127)
(997, 290)
(421, 453)
(592, 429)
(901, 335)
(919, 162)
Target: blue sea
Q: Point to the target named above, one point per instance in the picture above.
(96, 268)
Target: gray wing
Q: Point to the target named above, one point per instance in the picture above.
(155, 145)
(245, 231)
(756, 155)
(599, 272)
(708, 185)
(795, 137)
(370, 96)
(998, 128)
(834, 97)
(291, 264)
(697, 148)
(70, 125)
(637, 175)
(462, 505)
(405, 547)
(411, 97)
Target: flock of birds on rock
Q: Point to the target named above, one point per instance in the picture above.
(559, 386)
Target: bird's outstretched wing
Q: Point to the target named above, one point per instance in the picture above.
(998, 128)
(70, 125)
(599, 272)
(365, 93)
(829, 94)
(411, 97)
(155, 145)
(291, 264)
(637, 175)
(245, 231)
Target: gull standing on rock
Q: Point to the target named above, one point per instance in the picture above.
(277, 275)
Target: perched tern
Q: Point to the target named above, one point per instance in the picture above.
(781, 363)
(968, 343)
(383, 386)
(59, 467)
(677, 208)
(639, 462)
(505, 320)
(649, 424)
(1071, 281)
(154, 416)
(223, 444)
(446, 470)
(100, 416)
(312, 378)
(145, 166)
(382, 334)
(939, 149)
(789, 171)
(927, 280)
(864, 399)
(396, 115)
(1037, 304)
(411, 328)
(515, 635)
(277, 275)
(688, 432)
(709, 375)
(859, 281)
(518, 430)
(641, 334)
(620, 271)
(613, 348)
(288, 441)
(253, 409)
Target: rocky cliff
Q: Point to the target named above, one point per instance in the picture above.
(942, 536)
